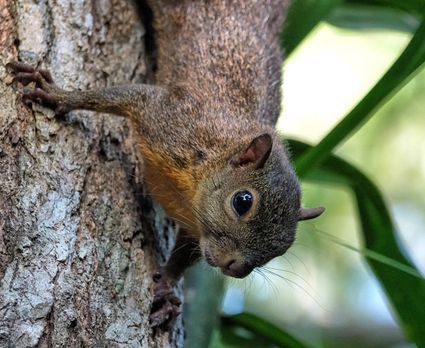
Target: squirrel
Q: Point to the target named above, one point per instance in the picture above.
(205, 129)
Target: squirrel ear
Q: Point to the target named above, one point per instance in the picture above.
(310, 213)
(256, 154)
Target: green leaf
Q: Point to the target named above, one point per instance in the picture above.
(393, 80)
(370, 254)
(405, 291)
(357, 16)
(303, 16)
(411, 6)
(236, 337)
(203, 294)
(262, 328)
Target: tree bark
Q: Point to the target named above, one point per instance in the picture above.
(79, 240)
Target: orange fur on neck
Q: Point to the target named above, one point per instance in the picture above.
(172, 187)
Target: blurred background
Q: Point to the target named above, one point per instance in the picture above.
(322, 291)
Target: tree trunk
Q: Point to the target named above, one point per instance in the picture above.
(78, 239)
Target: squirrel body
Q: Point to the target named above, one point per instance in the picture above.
(222, 73)
(205, 129)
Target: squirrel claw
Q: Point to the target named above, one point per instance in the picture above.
(45, 89)
(165, 306)
(18, 68)
(39, 95)
(26, 78)
(165, 316)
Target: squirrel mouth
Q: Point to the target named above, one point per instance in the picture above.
(231, 267)
(237, 272)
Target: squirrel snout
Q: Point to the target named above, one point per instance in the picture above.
(232, 264)
(237, 268)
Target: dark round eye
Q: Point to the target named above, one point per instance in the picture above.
(242, 202)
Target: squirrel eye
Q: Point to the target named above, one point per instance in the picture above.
(242, 202)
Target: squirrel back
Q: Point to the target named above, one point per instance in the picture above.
(227, 177)
(219, 62)
(225, 52)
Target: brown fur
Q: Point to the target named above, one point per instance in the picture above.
(217, 91)
(221, 66)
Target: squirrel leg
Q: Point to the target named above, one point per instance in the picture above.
(124, 100)
(184, 254)
(166, 305)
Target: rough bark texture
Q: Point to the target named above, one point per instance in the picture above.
(78, 238)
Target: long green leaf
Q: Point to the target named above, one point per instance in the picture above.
(372, 255)
(357, 16)
(234, 337)
(204, 291)
(405, 291)
(303, 16)
(396, 77)
(263, 328)
(411, 6)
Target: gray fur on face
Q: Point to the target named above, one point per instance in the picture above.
(270, 231)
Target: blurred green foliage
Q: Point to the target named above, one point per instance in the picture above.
(402, 283)
(405, 288)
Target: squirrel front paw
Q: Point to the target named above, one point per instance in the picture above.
(45, 91)
(166, 305)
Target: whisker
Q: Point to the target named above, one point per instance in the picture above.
(299, 260)
(292, 273)
(175, 250)
(290, 281)
(268, 281)
(286, 258)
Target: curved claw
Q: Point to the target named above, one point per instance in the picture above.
(165, 306)
(26, 78)
(39, 95)
(13, 67)
(164, 316)
(22, 68)
(45, 91)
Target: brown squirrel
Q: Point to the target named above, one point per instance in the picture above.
(206, 131)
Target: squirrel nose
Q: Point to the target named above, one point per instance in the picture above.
(237, 268)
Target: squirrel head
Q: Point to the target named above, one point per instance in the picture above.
(248, 211)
